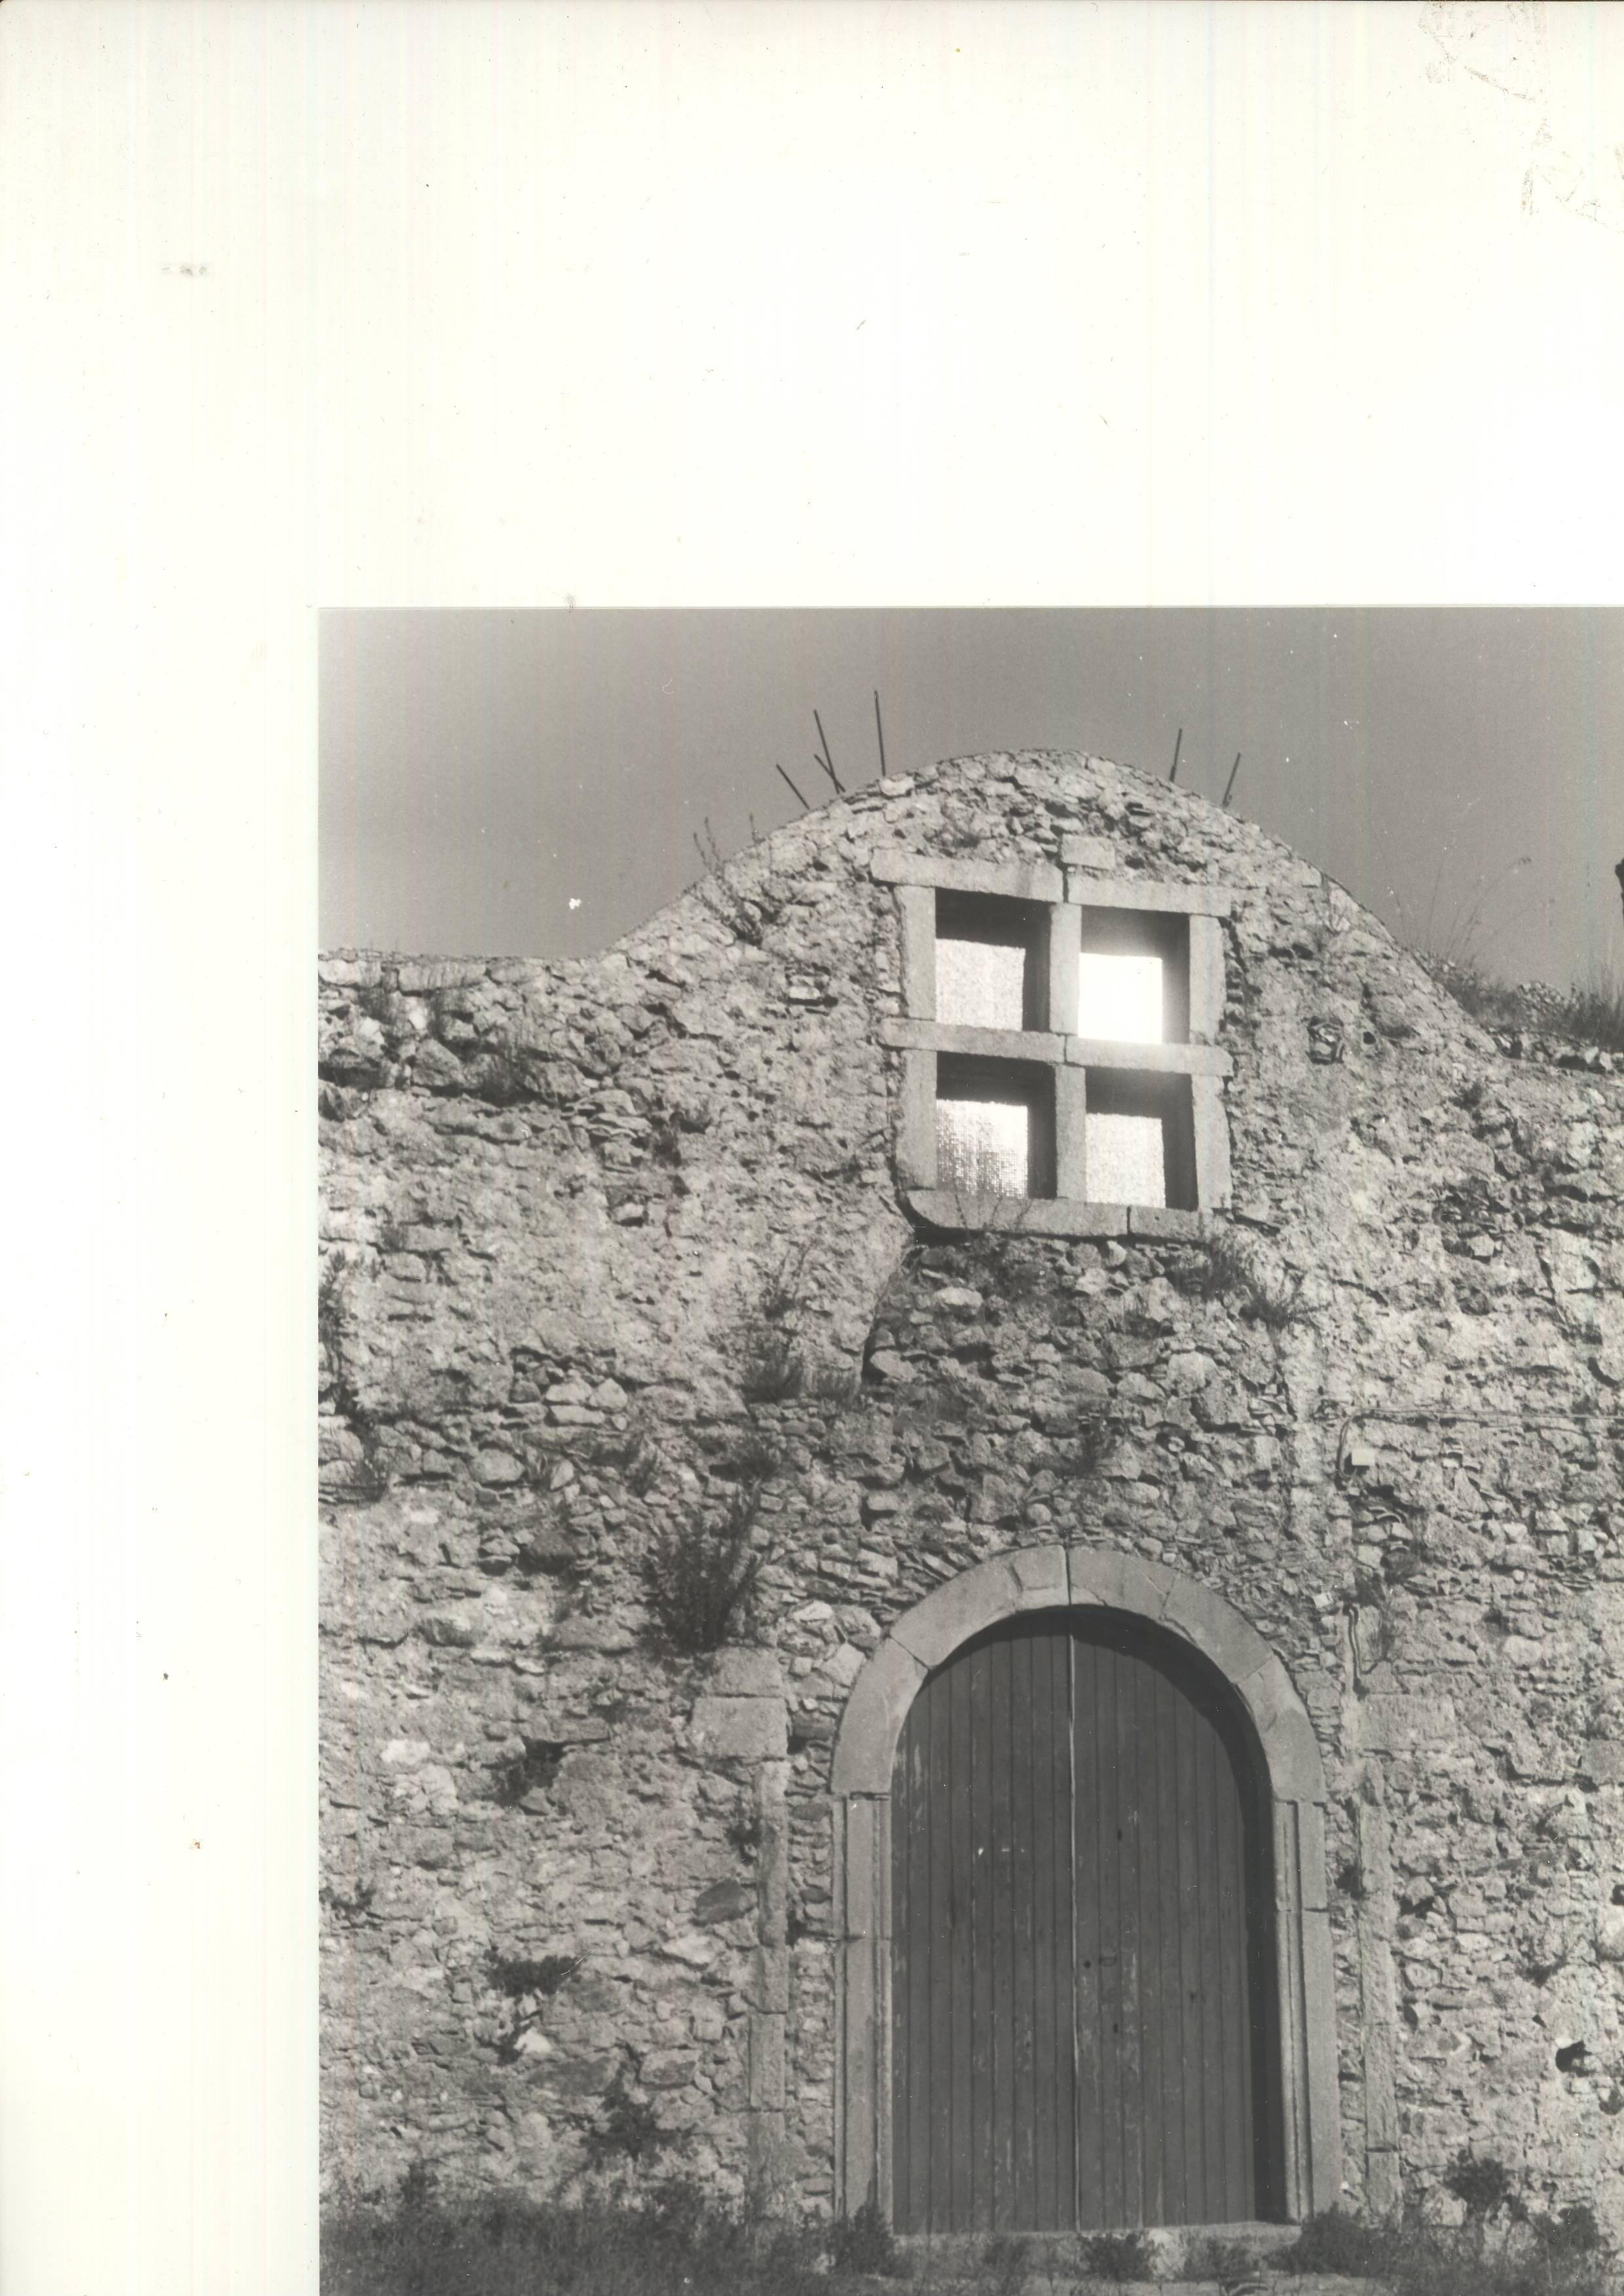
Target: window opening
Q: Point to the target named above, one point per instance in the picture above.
(1120, 998)
(1139, 1139)
(1134, 978)
(988, 973)
(1058, 1049)
(1127, 1162)
(994, 1128)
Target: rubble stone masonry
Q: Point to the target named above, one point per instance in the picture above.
(585, 1223)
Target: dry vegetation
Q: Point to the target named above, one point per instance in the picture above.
(1593, 1015)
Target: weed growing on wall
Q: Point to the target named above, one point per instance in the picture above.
(1117, 2256)
(1482, 2185)
(771, 1368)
(505, 1076)
(700, 1574)
(350, 1907)
(527, 1773)
(627, 2129)
(670, 2238)
(836, 1384)
(862, 2242)
(744, 1830)
(1231, 1269)
(370, 1478)
(766, 1339)
(518, 1978)
(747, 914)
(1596, 1015)
(1222, 1271)
(1339, 2242)
(640, 1465)
(378, 1000)
(417, 2189)
(748, 1457)
(1004, 2267)
(527, 1985)
(1215, 2258)
(1535, 2254)
(1589, 1015)
(331, 1314)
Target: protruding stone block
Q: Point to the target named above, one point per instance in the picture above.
(1394, 1724)
(754, 1729)
(746, 1674)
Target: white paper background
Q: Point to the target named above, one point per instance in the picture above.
(809, 304)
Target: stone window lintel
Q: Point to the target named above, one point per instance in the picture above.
(1010, 881)
(1084, 892)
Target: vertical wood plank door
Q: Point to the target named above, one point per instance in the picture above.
(1080, 1957)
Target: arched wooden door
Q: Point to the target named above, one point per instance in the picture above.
(1081, 1993)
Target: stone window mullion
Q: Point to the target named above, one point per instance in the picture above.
(1065, 940)
(1070, 1134)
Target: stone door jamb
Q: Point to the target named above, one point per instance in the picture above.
(1057, 1577)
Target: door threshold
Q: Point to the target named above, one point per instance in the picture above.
(1173, 2248)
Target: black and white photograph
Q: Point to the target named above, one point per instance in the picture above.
(812, 1429)
(969, 1450)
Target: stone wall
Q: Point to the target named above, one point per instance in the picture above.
(606, 1243)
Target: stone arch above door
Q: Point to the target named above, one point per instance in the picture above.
(1047, 1579)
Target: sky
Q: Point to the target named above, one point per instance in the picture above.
(533, 782)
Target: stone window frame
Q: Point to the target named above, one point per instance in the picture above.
(1080, 882)
(1081, 1578)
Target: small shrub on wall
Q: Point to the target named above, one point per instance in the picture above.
(700, 1576)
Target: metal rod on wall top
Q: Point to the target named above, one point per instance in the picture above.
(826, 762)
(1177, 745)
(879, 730)
(783, 776)
(1233, 770)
